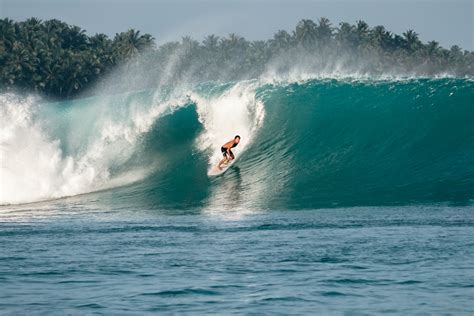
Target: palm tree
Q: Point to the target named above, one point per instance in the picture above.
(381, 38)
(305, 33)
(324, 31)
(99, 41)
(19, 65)
(7, 32)
(189, 44)
(233, 47)
(211, 42)
(362, 31)
(130, 43)
(281, 41)
(411, 40)
(432, 48)
(346, 35)
(258, 56)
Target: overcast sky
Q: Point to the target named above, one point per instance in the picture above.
(446, 21)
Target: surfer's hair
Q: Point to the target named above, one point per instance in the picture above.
(237, 136)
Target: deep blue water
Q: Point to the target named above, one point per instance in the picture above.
(75, 256)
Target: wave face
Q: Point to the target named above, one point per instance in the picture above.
(310, 144)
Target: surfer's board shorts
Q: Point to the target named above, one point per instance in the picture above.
(224, 153)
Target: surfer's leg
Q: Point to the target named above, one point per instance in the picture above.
(221, 162)
(225, 159)
(224, 153)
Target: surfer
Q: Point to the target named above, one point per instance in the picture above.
(226, 150)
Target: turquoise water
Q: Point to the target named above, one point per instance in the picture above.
(347, 196)
(65, 258)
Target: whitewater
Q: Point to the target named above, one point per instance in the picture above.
(349, 195)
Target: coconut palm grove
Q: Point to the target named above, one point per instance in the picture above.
(59, 60)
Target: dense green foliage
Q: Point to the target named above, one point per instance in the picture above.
(59, 60)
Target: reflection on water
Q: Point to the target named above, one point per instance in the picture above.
(227, 199)
(233, 187)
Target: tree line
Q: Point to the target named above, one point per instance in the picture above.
(60, 60)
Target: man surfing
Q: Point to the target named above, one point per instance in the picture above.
(227, 152)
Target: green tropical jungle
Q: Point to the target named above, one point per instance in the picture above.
(60, 61)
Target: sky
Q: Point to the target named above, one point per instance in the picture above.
(448, 22)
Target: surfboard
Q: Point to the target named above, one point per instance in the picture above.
(215, 170)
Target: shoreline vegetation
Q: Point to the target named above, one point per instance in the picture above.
(60, 61)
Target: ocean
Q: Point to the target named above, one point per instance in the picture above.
(347, 196)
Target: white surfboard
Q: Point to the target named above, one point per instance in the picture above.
(215, 170)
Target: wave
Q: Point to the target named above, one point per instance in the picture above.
(63, 149)
(305, 144)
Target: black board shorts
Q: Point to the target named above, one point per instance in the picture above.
(224, 153)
